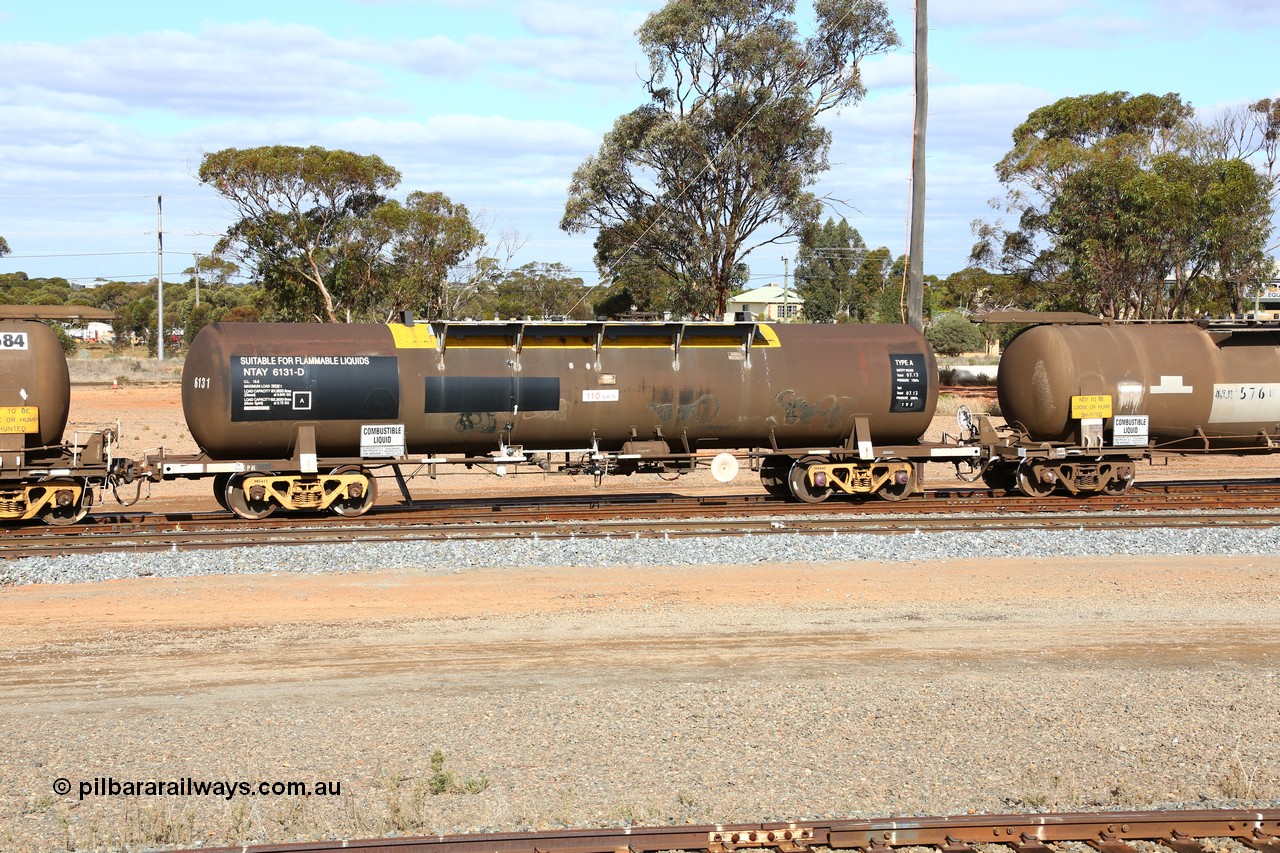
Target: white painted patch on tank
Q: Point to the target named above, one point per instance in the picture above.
(1246, 403)
(1042, 389)
(1129, 396)
(1171, 385)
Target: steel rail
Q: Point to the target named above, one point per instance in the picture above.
(663, 515)
(1106, 832)
(393, 528)
(659, 516)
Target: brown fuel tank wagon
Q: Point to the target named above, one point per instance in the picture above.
(41, 475)
(462, 388)
(1086, 399)
(35, 388)
(615, 397)
(1196, 388)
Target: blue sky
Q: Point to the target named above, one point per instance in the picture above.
(104, 107)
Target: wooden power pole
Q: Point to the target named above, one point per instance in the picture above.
(915, 248)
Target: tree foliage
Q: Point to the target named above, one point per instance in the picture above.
(826, 274)
(327, 243)
(976, 291)
(542, 292)
(4, 247)
(1113, 194)
(426, 237)
(952, 334)
(303, 211)
(719, 161)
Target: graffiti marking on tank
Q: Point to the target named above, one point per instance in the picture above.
(1171, 385)
(1042, 389)
(798, 410)
(560, 413)
(476, 422)
(700, 411)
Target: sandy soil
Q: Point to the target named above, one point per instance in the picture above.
(207, 625)
(649, 695)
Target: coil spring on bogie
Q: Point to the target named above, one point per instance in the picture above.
(307, 495)
(860, 479)
(1087, 477)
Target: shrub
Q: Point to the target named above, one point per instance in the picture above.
(952, 334)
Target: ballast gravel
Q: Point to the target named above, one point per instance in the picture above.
(662, 711)
(458, 555)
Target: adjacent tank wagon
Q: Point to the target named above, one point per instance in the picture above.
(1191, 388)
(41, 475)
(35, 391)
(1086, 399)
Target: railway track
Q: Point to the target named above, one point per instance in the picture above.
(1162, 505)
(1106, 832)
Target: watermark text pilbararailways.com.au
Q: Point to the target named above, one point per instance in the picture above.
(109, 786)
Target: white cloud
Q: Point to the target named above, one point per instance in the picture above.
(600, 23)
(234, 69)
(890, 70)
(439, 56)
(1247, 15)
(962, 13)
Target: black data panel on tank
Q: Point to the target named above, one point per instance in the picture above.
(455, 394)
(314, 387)
(910, 382)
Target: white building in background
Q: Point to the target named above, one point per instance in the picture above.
(92, 331)
(771, 302)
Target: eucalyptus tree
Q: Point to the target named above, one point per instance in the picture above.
(426, 238)
(826, 270)
(302, 213)
(720, 160)
(1122, 213)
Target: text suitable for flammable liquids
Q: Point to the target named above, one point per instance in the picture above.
(109, 786)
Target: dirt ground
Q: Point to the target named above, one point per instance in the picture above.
(232, 635)
(347, 674)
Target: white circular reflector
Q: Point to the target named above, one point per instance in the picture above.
(724, 467)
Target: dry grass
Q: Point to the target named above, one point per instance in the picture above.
(949, 404)
(125, 369)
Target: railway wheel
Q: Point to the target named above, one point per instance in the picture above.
(220, 490)
(353, 506)
(1000, 477)
(773, 475)
(242, 502)
(801, 488)
(65, 509)
(1031, 484)
(1119, 483)
(900, 487)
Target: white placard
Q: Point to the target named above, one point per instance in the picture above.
(381, 441)
(1129, 430)
(13, 340)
